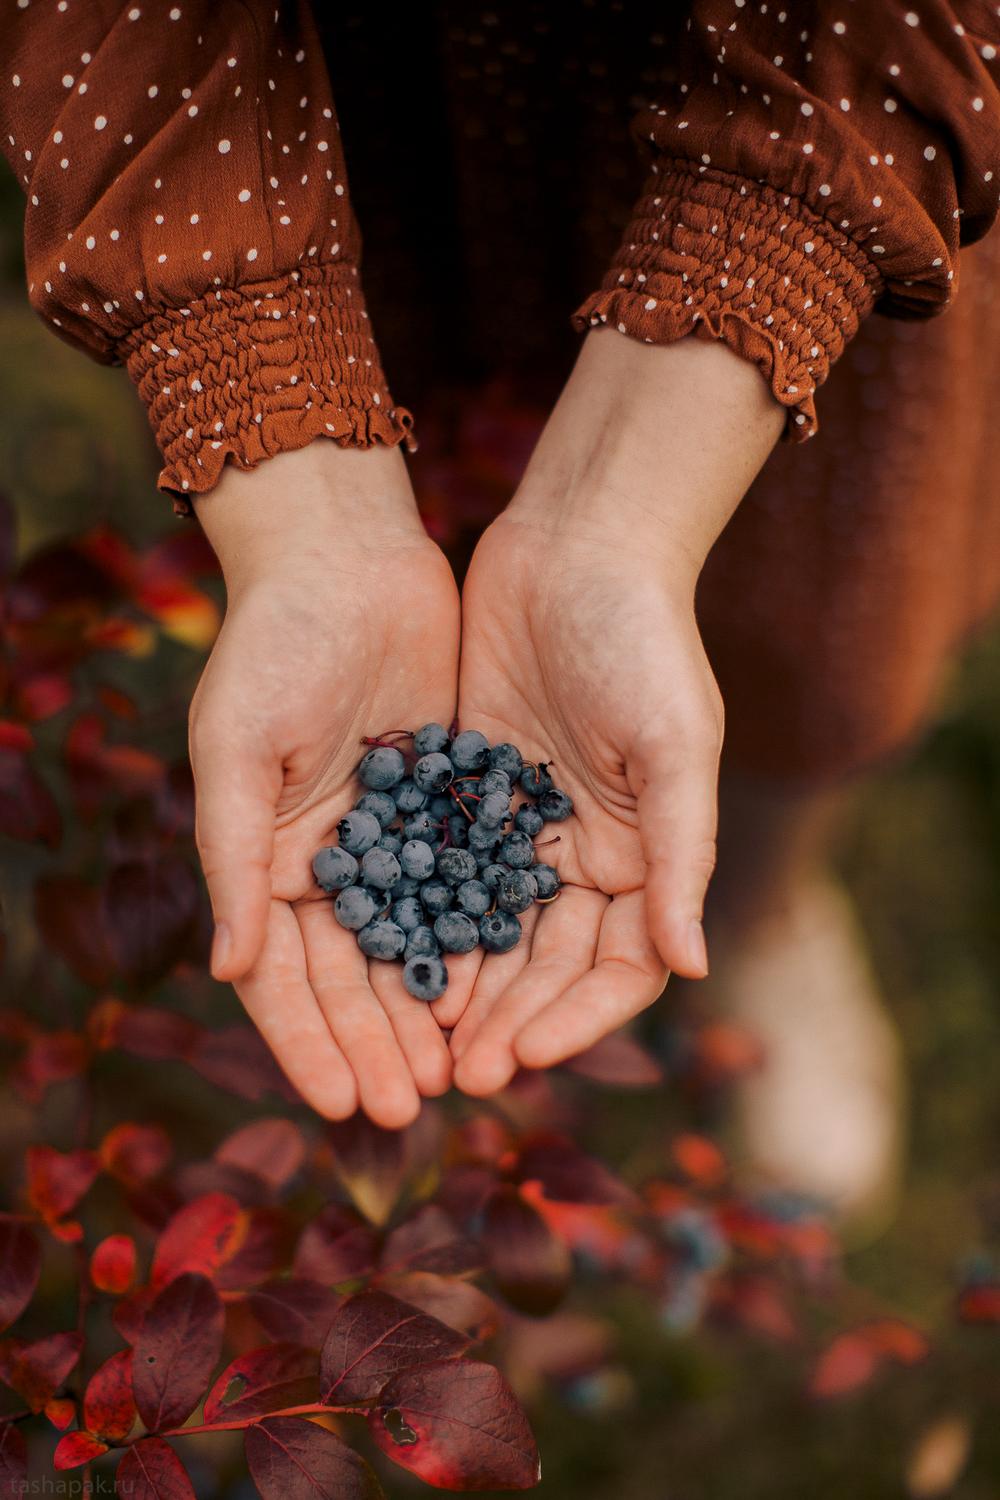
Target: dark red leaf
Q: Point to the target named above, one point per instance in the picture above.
(112, 1265)
(61, 1412)
(129, 1312)
(27, 808)
(77, 1448)
(36, 1371)
(237, 1058)
(263, 1249)
(567, 1174)
(336, 1247)
(150, 908)
(980, 1304)
(151, 1470)
(135, 1153)
(460, 1304)
(57, 1180)
(373, 1336)
(296, 1310)
(530, 1265)
(262, 1381)
(459, 1426)
(100, 771)
(429, 1241)
(13, 1460)
(50, 1057)
(20, 1259)
(620, 1061)
(273, 1149)
(159, 1035)
(70, 918)
(292, 1459)
(197, 1178)
(371, 1163)
(41, 695)
(109, 1404)
(200, 1237)
(176, 1351)
(848, 1363)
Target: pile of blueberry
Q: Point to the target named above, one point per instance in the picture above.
(436, 858)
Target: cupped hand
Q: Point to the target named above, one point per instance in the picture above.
(342, 621)
(580, 645)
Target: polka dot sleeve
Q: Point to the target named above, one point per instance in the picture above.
(814, 162)
(188, 217)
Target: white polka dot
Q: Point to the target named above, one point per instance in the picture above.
(808, 148)
(930, 152)
(194, 219)
(64, 163)
(839, 27)
(937, 261)
(67, 80)
(339, 190)
(977, 104)
(134, 13)
(100, 122)
(989, 52)
(82, 89)
(57, 137)
(161, 258)
(809, 247)
(192, 110)
(912, 19)
(152, 91)
(175, 14)
(16, 80)
(284, 219)
(251, 254)
(824, 189)
(244, 195)
(115, 234)
(890, 106)
(845, 105)
(877, 201)
(230, 62)
(206, 255)
(224, 146)
(806, 107)
(322, 146)
(90, 242)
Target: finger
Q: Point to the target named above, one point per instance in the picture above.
(678, 816)
(236, 794)
(279, 1000)
(497, 972)
(627, 975)
(338, 973)
(464, 971)
(562, 950)
(416, 1030)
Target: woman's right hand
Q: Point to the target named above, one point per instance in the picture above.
(342, 621)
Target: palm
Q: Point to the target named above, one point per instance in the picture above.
(580, 658)
(298, 676)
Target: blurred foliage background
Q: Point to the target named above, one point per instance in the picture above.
(673, 1414)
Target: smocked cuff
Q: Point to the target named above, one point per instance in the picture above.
(723, 258)
(247, 372)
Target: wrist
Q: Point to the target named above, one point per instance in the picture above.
(300, 511)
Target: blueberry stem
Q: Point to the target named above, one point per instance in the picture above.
(546, 842)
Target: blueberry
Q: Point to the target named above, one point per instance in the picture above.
(516, 891)
(436, 896)
(425, 978)
(529, 820)
(517, 850)
(495, 781)
(536, 779)
(391, 842)
(507, 758)
(358, 832)
(382, 939)
(407, 913)
(355, 907)
(458, 829)
(417, 859)
(441, 807)
(408, 797)
(483, 858)
(334, 868)
(493, 874)
(456, 932)
(547, 880)
(379, 804)
(469, 751)
(421, 943)
(420, 825)
(499, 932)
(493, 809)
(405, 886)
(555, 806)
(481, 837)
(474, 898)
(433, 738)
(380, 869)
(456, 865)
(381, 768)
(434, 772)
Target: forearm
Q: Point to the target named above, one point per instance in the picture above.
(653, 446)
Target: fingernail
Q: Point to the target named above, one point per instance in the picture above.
(697, 951)
(222, 945)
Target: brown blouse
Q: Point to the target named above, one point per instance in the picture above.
(188, 212)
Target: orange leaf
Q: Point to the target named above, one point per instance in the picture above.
(699, 1159)
(77, 1448)
(112, 1265)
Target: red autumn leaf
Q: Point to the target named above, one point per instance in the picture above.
(135, 1153)
(13, 1460)
(567, 1174)
(699, 1159)
(151, 1470)
(156, 1034)
(237, 1058)
(77, 1448)
(37, 1370)
(98, 770)
(41, 695)
(980, 1304)
(851, 1360)
(70, 918)
(57, 1180)
(429, 1241)
(292, 1459)
(20, 1260)
(108, 1403)
(61, 1411)
(273, 1149)
(196, 1178)
(129, 1312)
(263, 1381)
(372, 1164)
(755, 1303)
(335, 1247)
(374, 1336)
(530, 1264)
(460, 1304)
(27, 808)
(897, 1340)
(112, 1265)
(264, 1248)
(164, 588)
(177, 1351)
(724, 1050)
(459, 1426)
(296, 1310)
(618, 1060)
(200, 1237)
(150, 908)
(50, 1057)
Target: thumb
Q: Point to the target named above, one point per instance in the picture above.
(235, 797)
(678, 819)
